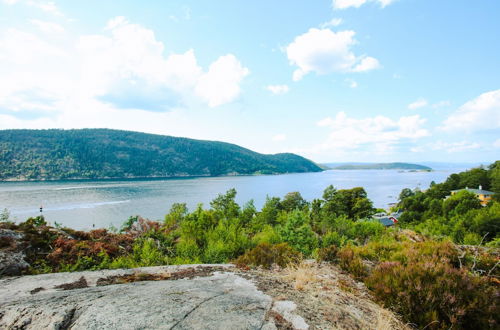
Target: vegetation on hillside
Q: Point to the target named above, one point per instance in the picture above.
(421, 268)
(104, 153)
(383, 166)
(459, 217)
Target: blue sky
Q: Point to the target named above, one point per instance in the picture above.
(341, 80)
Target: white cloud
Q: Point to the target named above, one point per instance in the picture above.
(47, 27)
(324, 51)
(332, 23)
(278, 89)
(352, 83)
(343, 4)
(46, 6)
(367, 64)
(59, 82)
(279, 137)
(496, 144)
(441, 104)
(481, 113)
(381, 133)
(452, 147)
(420, 103)
(221, 84)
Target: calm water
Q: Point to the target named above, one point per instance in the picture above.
(80, 204)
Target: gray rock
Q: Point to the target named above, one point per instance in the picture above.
(222, 300)
(11, 255)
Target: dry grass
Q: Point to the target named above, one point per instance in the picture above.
(385, 320)
(302, 274)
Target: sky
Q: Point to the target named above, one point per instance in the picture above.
(332, 80)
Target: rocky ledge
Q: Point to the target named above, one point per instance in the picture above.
(177, 297)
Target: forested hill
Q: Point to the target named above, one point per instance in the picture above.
(105, 153)
(381, 166)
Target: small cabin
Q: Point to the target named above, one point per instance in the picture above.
(387, 220)
(484, 196)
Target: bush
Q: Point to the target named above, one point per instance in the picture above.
(267, 255)
(351, 262)
(433, 294)
(328, 253)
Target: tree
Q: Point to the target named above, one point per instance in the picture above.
(460, 203)
(225, 204)
(406, 192)
(298, 233)
(293, 201)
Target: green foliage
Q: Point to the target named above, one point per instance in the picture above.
(417, 276)
(268, 234)
(353, 203)
(267, 255)
(177, 214)
(298, 233)
(460, 203)
(225, 205)
(104, 153)
(145, 253)
(459, 216)
(293, 201)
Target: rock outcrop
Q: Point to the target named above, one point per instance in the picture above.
(11, 253)
(175, 297)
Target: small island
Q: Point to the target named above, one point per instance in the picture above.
(382, 166)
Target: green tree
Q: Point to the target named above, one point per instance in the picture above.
(293, 201)
(226, 205)
(298, 233)
(460, 203)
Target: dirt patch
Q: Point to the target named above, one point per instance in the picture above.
(80, 284)
(187, 273)
(326, 297)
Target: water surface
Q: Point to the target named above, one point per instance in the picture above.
(83, 204)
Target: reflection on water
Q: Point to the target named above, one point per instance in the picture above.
(82, 204)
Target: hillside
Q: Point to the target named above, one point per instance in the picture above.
(380, 166)
(103, 153)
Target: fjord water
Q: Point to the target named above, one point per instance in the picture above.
(84, 204)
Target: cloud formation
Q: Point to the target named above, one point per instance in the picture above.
(323, 51)
(481, 113)
(380, 132)
(420, 103)
(332, 23)
(124, 67)
(278, 89)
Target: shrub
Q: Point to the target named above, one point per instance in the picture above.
(267, 235)
(328, 253)
(433, 294)
(266, 255)
(350, 261)
(187, 249)
(333, 238)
